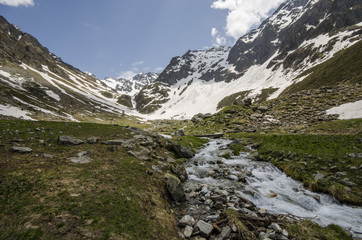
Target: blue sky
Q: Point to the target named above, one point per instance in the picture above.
(122, 37)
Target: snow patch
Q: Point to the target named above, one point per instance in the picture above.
(348, 110)
(16, 112)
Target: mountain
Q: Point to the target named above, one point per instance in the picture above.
(133, 85)
(36, 84)
(300, 35)
(128, 88)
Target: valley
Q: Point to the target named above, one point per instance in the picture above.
(259, 140)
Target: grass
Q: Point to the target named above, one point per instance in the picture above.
(344, 67)
(192, 142)
(302, 156)
(111, 197)
(307, 230)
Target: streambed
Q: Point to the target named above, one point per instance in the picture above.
(265, 186)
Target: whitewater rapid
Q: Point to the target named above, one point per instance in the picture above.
(264, 179)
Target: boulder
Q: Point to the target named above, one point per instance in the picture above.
(188, 231)
(82, 157)
(69, 141)
(21, 149)
(114, 142)
(319, 176)
(180, 171)
(205, 228)
(186, 220)
(175, 188)
(179, 150)
(92, 140)
(225, 233)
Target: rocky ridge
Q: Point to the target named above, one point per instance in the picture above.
(36, 84)
(299, 35)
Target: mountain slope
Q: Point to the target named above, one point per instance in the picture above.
(133, 85)
(301, 34)
(36, 84)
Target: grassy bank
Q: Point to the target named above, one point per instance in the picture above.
(324, 162)
(49, 197)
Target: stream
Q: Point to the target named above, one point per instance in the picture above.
(265, 186)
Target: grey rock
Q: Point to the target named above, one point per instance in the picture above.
(175, 188)
(205, 228)
(81, 158)
(92, 140)
(319, 176)
(69, 141)
(276, 227)
(188, 231)
(48, 155)
(225, 233)
(114, 142)
(180, 171)
(21, 149)
(186, 220)
(179, 150)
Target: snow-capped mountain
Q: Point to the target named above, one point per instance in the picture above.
(298, 36)
(36, 84)
(133, 85)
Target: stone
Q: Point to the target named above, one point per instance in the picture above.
(175, 188)
(205, 228)
(114, 142)
(285, 233)
(341, 174)
(188, 231)
(272, 194)
(69, 141)
(319, 176)
(179, 150)
(48, 155)
(21, 149)
(92, 140)
(263, 212)
(225, 233)
(276, 227)
(180, 171)
(186, 220)
(81, 158)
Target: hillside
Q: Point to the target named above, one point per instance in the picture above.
(36, 84)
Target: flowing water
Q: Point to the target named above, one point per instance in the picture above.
(262, 179)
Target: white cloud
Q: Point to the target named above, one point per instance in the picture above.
(244, 14)
(218, 39)
(138, 63)
(16, 3)
(127, 74)
(214, 32)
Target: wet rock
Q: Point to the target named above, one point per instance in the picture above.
(175, 188)
(114, 142)
(186, 220)
(205, 228)
(21, 150)
(69, 141)
(272, 194)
